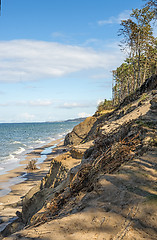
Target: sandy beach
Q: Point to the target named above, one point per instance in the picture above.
(17, 182)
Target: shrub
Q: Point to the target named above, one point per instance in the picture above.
(105, 105)
(32, 165)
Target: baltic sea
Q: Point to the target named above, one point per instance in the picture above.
(17, 139)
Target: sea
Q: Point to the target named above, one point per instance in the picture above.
(17, 139)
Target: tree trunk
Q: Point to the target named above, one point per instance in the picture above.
(145, 70)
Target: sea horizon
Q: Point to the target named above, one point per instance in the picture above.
(55, 121)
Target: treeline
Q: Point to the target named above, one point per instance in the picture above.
(105, 105)
(141, 48)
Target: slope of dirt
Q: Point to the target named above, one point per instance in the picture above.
(112, 193)
(79, 132)
(122, 205)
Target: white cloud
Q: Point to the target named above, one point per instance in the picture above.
(116, 20)
(71, 105)
(83, 114)
(31, 103)
(28, 60)
(76, 105)
(27, 116)
(99, 101)
(93, 41)
(101, 76)
(4, 104)
(40, 103)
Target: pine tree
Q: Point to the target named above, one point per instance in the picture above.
(141, 46)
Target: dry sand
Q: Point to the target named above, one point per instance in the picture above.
(121, 206)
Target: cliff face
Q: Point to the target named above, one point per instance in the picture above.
(110, 191)
(79, 132)
(91, 127)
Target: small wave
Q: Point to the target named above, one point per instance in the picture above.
(1, 168)
(51, 138)
(10, 158)
(20, 150)
(16, 142)
(39, 141)
(60, 135)
(63, 134)
(13, 157)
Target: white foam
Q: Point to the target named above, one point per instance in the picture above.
(39, 141)
(10, 158)
(51, 139)
(60, 135)
(19, 151)
(16, 142)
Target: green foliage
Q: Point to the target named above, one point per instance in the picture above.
(145, 124)
(140, 44)
(105, 105)
(152, 198)
(153, 7)
(144, 97)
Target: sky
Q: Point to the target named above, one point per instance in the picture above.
(57, 57)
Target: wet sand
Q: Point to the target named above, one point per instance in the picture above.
(17, 182)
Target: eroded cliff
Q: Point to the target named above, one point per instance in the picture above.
(110, 190)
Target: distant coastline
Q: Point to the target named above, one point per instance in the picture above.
(68, 120)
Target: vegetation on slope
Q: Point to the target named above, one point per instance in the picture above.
(141, 48)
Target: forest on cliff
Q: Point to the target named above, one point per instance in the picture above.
(140, 45)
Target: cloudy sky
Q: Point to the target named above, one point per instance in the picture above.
(56, 56)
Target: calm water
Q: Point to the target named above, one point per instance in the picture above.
(16, 139)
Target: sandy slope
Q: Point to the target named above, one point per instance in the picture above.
(122, 206)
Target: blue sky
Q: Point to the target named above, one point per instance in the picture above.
(56, 56)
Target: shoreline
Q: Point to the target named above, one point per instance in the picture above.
(16, 183)
(20, 172)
